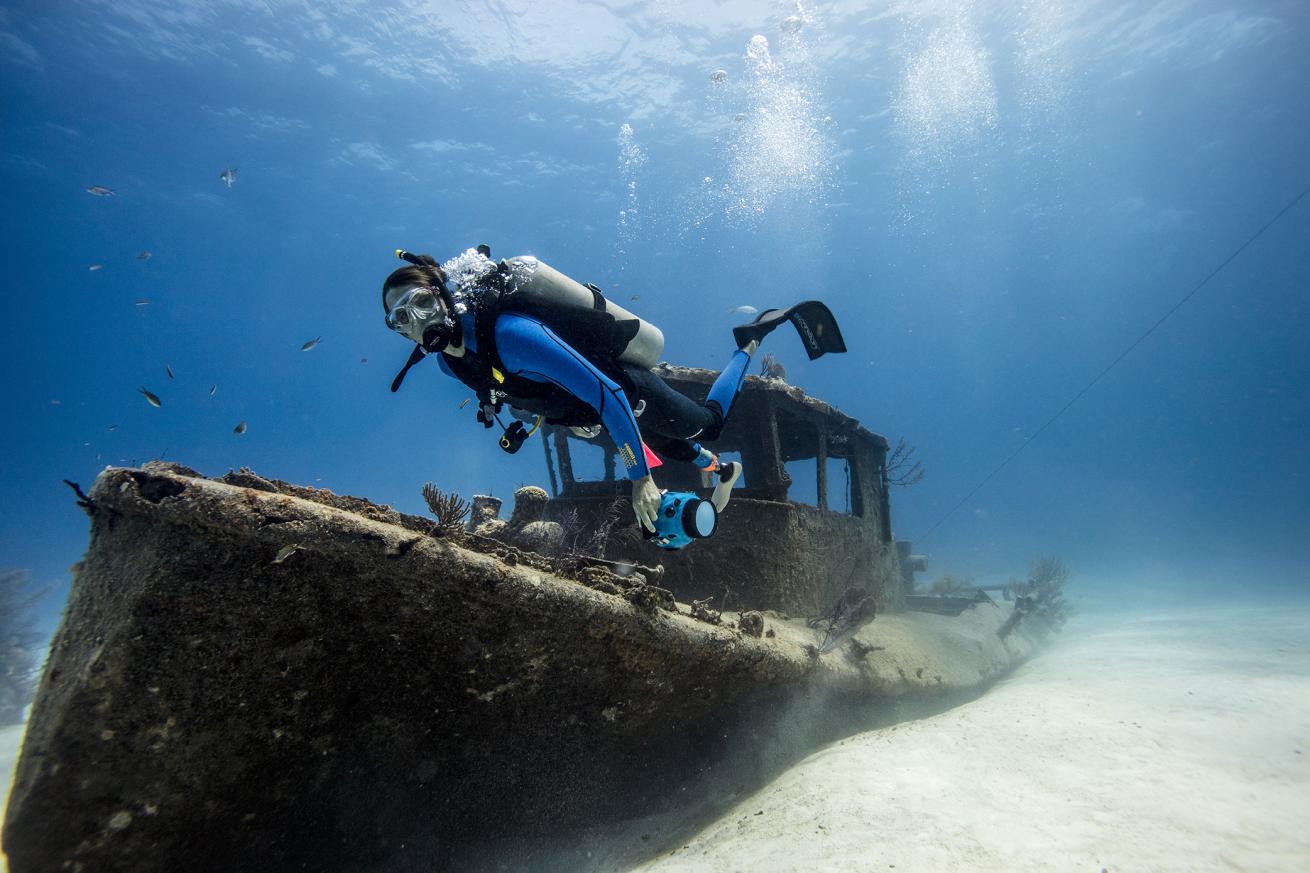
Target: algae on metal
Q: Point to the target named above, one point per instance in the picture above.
(381, 696)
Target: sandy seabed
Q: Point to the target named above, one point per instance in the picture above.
(1164, 741)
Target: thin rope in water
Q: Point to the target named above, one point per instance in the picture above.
(1150, 330)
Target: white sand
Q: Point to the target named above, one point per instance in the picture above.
(11, 741)
(1160, 742)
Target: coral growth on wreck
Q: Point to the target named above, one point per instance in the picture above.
(449, 510)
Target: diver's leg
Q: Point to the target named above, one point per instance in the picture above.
(674, 415)
(672, 448)
(726, 386)
(668, 413)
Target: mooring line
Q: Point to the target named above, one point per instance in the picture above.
(1135, 343)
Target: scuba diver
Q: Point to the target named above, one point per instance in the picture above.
(519, 332)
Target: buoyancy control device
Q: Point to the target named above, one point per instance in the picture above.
(601, 330)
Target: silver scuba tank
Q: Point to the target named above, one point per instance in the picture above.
(543, 284)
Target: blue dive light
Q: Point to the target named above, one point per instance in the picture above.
(683, 517)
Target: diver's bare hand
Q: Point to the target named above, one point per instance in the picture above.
(646, 501)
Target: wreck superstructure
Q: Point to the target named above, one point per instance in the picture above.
(810, 518)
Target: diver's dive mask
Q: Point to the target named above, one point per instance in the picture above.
(416, 312)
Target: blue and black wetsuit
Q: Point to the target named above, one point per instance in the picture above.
(531, 351)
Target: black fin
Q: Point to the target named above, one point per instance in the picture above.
(814, 322)
(818, 328)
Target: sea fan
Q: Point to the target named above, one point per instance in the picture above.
(450, 510)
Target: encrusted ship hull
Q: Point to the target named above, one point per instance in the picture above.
(382, 698)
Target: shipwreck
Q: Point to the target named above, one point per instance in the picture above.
(255, 675)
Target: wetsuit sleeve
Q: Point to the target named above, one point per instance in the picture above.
(530, 350)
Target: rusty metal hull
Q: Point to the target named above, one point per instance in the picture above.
(381, 699)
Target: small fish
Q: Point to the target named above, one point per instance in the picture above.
(363, 360)
(744, 309)
(240, 428)
(100, 191)
(286, 552)
(94, 267)
(152, 399)
(228, 176)
(113, 427)
(168, 370)
(463, 403)
(144, 256)
(142, 302)
(635, 297)
(309, 345)
(54, 402)
(212, 389)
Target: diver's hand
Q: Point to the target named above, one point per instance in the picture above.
(646, 501)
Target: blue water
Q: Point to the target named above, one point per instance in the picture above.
(996, 199)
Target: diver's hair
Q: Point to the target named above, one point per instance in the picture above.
(428, 274)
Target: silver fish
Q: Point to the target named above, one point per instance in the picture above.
(144, 256)
(240, 428)
(152, 399)
(100, 191)
(309, 345)
(113, 427)
(212, 389)
(142, 302)
(286, 552)
(94, 267)
(228, 176)
(168, 370)
(744, 309)
(463, 403)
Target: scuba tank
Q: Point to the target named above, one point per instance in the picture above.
(533, 285)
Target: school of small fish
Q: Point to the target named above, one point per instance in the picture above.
(228, 177)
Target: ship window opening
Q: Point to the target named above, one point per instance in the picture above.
(804, 488)
(593, 460)
(840, 481)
